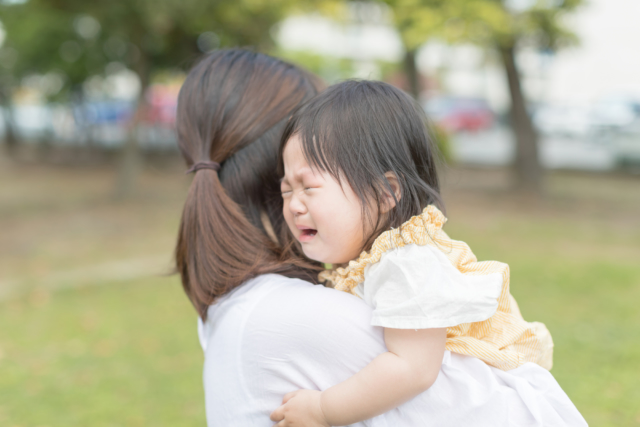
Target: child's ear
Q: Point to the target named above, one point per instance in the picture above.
(389, 201)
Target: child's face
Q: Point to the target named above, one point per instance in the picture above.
(324, 216)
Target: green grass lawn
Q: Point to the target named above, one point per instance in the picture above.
(125, 353)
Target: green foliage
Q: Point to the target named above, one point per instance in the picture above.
(443, 142)
(144, 35)
(44, 40)
(418, 20)
(330, 70)
(485, 22)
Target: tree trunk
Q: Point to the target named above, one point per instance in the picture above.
(527, 163)
(131, 161)
(411, 71)
(130, 157)
(10, 138)
(86, 129)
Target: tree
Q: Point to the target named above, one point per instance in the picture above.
(145, 35)
(167, 34)
(34, 36)
(504, 26)
(416, 22)
(6, 92)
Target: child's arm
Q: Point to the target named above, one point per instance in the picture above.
(409, 367)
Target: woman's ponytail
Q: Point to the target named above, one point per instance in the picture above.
(231, 109)
(217, 246)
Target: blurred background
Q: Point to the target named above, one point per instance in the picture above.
(535, 104)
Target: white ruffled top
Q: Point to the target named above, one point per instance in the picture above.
(417, 287)
(417, 277)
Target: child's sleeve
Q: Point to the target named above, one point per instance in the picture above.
(416, 287)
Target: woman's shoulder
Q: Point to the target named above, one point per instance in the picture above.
(271, 301)
(284, 292)
(282, 299)
(274, 320)
(310, 335)
(311, 317)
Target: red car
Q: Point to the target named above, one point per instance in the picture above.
(456, 114)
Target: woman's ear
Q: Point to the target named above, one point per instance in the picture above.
(389, 201)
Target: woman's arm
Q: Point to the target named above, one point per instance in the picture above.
(409, 367)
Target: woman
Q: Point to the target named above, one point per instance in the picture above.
(266, 332)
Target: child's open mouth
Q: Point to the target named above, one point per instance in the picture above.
(307, 234)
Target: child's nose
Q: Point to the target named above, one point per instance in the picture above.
(296, 206)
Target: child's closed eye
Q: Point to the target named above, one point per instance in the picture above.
(285, 188)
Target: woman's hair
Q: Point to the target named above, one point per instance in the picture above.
(232, 109)
(360, 130)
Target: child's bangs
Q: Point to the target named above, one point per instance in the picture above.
(320, 138)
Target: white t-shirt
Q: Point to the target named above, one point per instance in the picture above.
(274, 335)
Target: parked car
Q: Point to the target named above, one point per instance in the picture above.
(562, 120)
(627, 145)
(456, 114)
(162, 106)
(31, 121)
(106, 112)
(614, 113)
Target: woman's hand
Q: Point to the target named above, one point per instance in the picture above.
(300, 408)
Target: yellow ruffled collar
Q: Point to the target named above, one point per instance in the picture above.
(420, 229)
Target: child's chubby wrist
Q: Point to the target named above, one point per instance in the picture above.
(325, 407)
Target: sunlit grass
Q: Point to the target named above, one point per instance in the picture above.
(125, 353)
(120, 355)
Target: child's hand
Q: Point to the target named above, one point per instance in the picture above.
(300, 408)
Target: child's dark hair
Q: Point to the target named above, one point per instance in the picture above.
(358, 131)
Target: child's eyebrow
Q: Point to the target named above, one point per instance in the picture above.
(299, 175)
(307, 172)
